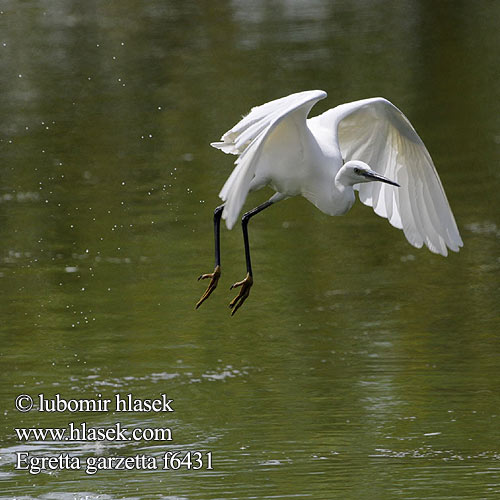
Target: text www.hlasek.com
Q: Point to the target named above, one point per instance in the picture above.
(84, 433)
(167, 460)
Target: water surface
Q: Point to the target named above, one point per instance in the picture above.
(360, 367)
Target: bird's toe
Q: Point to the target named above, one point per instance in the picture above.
(245, 285)
(214, 279)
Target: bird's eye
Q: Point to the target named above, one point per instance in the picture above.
(357, 171)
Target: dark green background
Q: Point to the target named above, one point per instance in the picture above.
(359, 367)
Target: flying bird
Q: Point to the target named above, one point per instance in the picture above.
(367, 145)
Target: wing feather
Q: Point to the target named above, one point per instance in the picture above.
(248, 138)
(375, 131)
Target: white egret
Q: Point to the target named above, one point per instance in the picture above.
(325, 159)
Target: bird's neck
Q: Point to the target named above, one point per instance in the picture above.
(343, 193)
(331, 199)
(343, 198)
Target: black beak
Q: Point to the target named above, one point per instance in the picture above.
(373, 176)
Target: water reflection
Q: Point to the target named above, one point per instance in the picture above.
(357, 369)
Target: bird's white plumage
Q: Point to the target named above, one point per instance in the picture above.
(278, 146)
(378, 133)
(268, 141)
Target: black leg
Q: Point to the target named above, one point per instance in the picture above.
(214, 277)
(217, 217)
(247, 283)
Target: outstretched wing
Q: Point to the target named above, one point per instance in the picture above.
(248, 139)
(375, 131)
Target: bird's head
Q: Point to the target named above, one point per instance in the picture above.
(357, 172)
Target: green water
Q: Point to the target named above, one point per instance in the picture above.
(359, 367)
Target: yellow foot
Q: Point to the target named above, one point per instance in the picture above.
(214, 279)
(246, 284)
